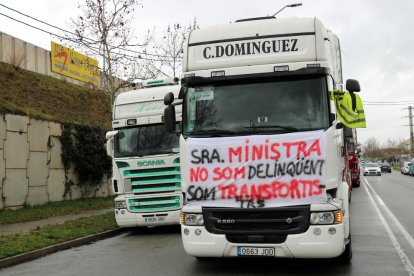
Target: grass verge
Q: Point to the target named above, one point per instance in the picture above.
(42, 97)
(12, 245)
(54, 209)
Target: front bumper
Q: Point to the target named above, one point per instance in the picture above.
(129, 219)
(372, 173)
(304, 245)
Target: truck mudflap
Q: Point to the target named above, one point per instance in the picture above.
(320, 241)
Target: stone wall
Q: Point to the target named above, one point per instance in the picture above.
(31, 169)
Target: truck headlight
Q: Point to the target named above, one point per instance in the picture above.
(326, 217)
(120, 204)
(192, 219)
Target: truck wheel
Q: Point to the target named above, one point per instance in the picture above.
(346, 256)
(202, 259)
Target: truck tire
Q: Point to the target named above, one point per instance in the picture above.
(356, 184)
(346, 256)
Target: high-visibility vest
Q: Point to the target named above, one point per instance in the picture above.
(349, 109)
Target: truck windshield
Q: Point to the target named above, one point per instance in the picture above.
(276, 106)
(145, 140)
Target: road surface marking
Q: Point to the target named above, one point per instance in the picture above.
(405, 260)
(400, 227)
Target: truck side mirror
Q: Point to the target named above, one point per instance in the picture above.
(353, 85)
(169, 98)
(111, 134)
(110, 147)
(331, 118)
(183, 91)
(169, 119)
(339, 125)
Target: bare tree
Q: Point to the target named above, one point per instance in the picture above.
(169, 49)
(104, 30)
(371, 149)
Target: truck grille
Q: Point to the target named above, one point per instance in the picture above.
(265, 221)
(161, 203)
(154, 180)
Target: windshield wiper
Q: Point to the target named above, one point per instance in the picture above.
(274, 126)
(213, 132)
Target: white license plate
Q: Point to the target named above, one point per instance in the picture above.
(154, 219)
(255, 251)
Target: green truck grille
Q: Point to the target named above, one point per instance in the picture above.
(161, 203)
(155, 189)
(167, 179)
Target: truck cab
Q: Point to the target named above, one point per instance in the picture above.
(146, 161)
(262, 153)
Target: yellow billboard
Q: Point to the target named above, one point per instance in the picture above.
(73, 64)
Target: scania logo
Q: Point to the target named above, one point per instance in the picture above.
(226, 221)
(289, 220)
(151, 163)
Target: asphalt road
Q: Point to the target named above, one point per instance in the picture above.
(382, 226)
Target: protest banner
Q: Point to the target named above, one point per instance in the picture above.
(257, 171)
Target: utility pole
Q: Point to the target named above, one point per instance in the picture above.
(410, 118)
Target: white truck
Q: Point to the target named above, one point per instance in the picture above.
(146, 161)
(262, 152)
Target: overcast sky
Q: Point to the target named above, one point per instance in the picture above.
(377, 41)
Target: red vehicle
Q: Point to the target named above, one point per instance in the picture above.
(352, 162)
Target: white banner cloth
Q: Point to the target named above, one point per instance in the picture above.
(257, 171)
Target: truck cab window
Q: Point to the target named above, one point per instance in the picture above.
(299, 104)
(145, 140)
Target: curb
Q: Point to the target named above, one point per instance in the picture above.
(32, 255)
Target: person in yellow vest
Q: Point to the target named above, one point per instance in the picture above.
(349, 108)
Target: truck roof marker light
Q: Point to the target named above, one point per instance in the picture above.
(160, 82)
(282, 68)
(218, 74)
(152, 82)
(313, 65)
(338, 216)
(131, 122)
